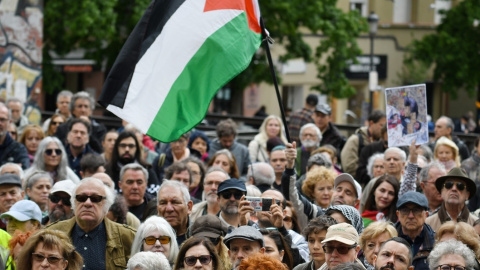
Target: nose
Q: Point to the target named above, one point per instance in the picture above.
(169, 207)
(198, 264)
(240, 255)
(410, 214)
(45, 263)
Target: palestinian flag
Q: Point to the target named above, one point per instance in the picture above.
(175, 60)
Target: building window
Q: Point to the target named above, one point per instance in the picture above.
(438, 6)
(360, 5)
(402, 11)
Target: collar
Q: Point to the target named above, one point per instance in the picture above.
(79, 232)
(445, 216)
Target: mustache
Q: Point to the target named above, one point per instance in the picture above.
(388, 266)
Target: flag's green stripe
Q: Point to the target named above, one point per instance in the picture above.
(224, 55)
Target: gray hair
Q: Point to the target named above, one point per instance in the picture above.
(2, 105)
(135, 167)
(449, 121)
(454, 247)
(39, 160)
(311, 125)
(427, 152)
(110, 197)
(14, 99)
(253, 191)
(262, 173)
(148, 260)
(150, 225)
(33, 178)
(399, 151)
(216, 169)
(17, 167)
(348, 266)
(177, 185)
(320, 160)
(64, 93)
(371, 160)
(423, 176)
(82, 95)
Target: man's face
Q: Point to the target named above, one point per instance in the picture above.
(335, 258)
(63, 104)
(315, 245)
(82, 108)
(210, 185)
(78, 136)
(227, 141)
(59, 210)
(133, 185)
(376, 128)
(127, 150)
(229, 205)
(183, 177)
(321, 120)
(344, 193)
(178, 147)
(4, 121)
(274, 194)
(433, 196)
(412, 217)
(173, 208)
(9, 195)
(454, 196)
(241, 249)
(10, 168)
(441, 128)
(109, 141)
(16, 109)
(88, 213)
(309, 138)
(393, 163)
(278, 160)
(393, 256)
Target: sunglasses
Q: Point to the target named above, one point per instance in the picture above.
(406, 211)
(228, 194)
(341, 250)
(150, 240)
(49, 152)
(287, 219)
(56, 123)
(449, 185)
(93, 198)
(51, 259)
(192, 260)
(56, 199)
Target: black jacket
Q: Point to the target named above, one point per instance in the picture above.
(97, 132)
(14, 152)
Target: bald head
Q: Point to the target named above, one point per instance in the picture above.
(106, 179)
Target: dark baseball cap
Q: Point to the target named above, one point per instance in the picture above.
(244, 232)
(231, 183)
(10, 179)
(413, 197)
(323, 108)
(208, 226)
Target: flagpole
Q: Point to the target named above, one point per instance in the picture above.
(274, 77)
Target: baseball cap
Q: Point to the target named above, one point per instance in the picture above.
(412, 197)
(66, 186)
(244, 232)
(345, 177)
(24, 210)
(231, 183)
(10, 179)
(208, 226)
(323, 108)
(343, 233)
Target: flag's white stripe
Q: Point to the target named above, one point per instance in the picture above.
(164, 61)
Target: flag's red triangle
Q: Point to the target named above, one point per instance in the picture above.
(246, 5)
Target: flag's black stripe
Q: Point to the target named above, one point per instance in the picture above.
(143, 35)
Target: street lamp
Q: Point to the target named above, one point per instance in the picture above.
(372, 76)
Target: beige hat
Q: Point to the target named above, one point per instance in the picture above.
(343, 233)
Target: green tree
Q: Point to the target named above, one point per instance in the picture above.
(454, 49)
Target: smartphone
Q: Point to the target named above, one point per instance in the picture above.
(260, 204)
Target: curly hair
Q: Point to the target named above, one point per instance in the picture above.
(317, 225)
(317, 176)
(18, 238)
(463, 232)
(261, 261)
(451, 247)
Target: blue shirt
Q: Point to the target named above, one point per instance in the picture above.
(91, 246)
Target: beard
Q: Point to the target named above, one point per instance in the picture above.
(309, 143)
(211, 198)
(230, 208)
(59, 215)
(126, 160)
(387, 266)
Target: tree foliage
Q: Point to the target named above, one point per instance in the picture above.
(454, 49)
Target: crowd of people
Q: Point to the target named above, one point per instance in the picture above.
(74, 195)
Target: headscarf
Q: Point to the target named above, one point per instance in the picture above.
(352, 214)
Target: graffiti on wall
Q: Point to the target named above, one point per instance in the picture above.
(21, 34)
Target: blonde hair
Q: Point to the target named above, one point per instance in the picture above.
(463, 232)
(316, 176)
(447, 142)
(374, 230)
(262, 136)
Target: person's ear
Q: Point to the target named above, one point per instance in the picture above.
(65, 264)
(189, 206)
(398, 213)
(82, 175)
(281, 254)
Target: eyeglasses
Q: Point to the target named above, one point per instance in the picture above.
(54, 123)
(56, 199)
(125, 145)
(228, 194)
(406, 211)
(449, 267)
(192, 260)
(49, 152)
(341, 250)
(150, 240)
(287, 219)
(449, 185)
(51, 259)
(93, 198)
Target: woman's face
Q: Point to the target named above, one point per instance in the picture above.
(452, 260)
(39, 191)
(384, 195)
(444, 153)
(54, 123)
(373, 245)
(40, 255)
(378, 168)
(31, 141)
(197, 251)
(315, 246)
(273, 128)
(287, 220)
(52, 160)
(271, 249)
(222, 162)
(157, 247)
(322, 193)
(200, 145)
(196, 174)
